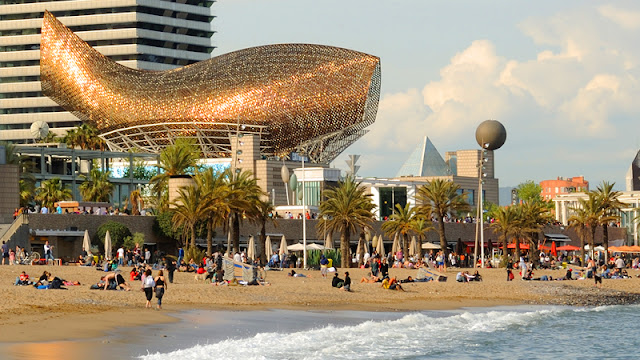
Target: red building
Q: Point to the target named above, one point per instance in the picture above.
(551, 188)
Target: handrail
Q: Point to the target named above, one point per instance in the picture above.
(20, 220)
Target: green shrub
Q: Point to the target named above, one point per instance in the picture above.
(117, 231)
(131, 241)
(193, 253)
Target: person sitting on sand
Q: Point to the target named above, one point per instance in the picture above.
(220, 277)
(460, 276)
(23, 279)
(370, 279)
(347, 282)
(568, 275)
(391, 284)
(336, 282)
(115, 280)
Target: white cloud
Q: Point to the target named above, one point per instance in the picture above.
(580, 88)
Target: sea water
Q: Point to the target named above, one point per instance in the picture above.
(496, 333)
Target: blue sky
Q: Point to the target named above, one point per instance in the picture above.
(562, 76)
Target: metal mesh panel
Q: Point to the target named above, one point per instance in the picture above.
(290, 94)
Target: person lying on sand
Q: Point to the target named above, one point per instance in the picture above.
(369, 279)
(293, 273)
(115, 280)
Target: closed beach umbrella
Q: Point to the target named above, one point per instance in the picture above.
(267, 247)
(374, 242)
(86, 242)
(358, 248)
(367, 234)
(394, 247)
(366, 247)
(107, 246)
(328, 242)
(380, 248)
(412, 246)
(554, 250)
(283, 246)
(251, 248)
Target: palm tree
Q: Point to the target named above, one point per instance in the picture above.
(96, 187)
(440, 198)
(590, 212)
(244, 193)
(176, 159)
(137, 202)
(263, 213)
(187, 211)
(421, 226)
(345, 209)
(52, 191)
(400, 222)
(535, 214)
(578, 222)
(215, 207)
(507, 220)
(84, 137)
(611, 205)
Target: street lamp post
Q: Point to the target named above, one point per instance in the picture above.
(490, 135)
(304, 219)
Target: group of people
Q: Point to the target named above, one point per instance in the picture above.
(11, 256)
(45, 281)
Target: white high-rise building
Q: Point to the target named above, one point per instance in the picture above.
(141, 34)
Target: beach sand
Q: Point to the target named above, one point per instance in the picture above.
(28, 315)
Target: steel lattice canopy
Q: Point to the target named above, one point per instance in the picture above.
(316, 97)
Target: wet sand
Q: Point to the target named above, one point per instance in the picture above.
(29, 316)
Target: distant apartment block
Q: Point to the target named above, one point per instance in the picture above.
(551, 188)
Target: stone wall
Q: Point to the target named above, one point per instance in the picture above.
(9, 192)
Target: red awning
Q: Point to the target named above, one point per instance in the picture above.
(568, 248)
(522, 246)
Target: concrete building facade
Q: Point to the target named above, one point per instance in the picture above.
(552, 188)
(141, 34)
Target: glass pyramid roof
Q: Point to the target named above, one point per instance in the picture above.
(425, 160)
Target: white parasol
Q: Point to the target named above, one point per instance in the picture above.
(413, 246)
(394, 247)
(268, 249)
(107, 246)
(86, 242)
(328, 242)
(380, 248)
(283, 246)
(251, 248)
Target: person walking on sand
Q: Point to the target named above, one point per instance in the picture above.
(147, 286)
(161, 286)
(48, 252)
(5, 252)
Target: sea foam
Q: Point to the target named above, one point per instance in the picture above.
(415, 335)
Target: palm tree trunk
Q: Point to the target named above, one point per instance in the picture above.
(405, 245)
(505, 249)
(517, 249)
(235, 233)
(344, 247)
(605, 238)
(593, 243)
(361, 246)
(209, 238)
(443, 240)
(193, 235)
(419, 246)
(263, 238)
(533, 249)
(582, 233)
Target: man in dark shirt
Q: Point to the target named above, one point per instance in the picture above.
(337, 282)
(384, 268)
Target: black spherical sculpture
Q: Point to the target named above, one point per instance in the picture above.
(491, 135)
